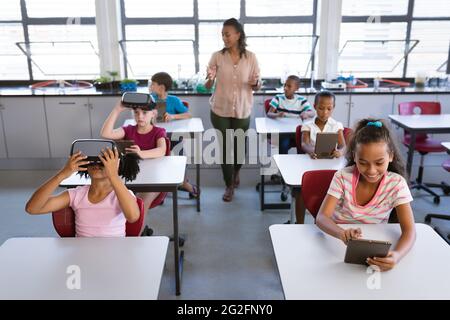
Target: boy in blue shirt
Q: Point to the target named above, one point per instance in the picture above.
(292, 105)
(161, 83)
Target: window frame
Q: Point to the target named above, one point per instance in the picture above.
(196, 21)
(408, 19)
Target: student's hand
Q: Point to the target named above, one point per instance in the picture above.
(211, 73)
(120, 107)
(313, 155)
(134, 149)
(351, 233)
(384, 264)
(110, 160)
(74, 164)
(281, 114)
(168, 117)
(336, 153)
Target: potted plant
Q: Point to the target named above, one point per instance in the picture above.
(113, 75)
(128, 85)
(103, 83)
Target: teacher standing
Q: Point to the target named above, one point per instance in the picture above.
(235, 72)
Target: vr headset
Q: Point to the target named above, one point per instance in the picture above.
(92, 148)
(138, 100)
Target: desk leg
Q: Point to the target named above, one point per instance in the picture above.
(261, 192)
(409, 162)
(178, 257)
(197, 155)
(299, 206)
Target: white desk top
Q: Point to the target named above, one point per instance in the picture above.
(278, 125)
(311, 265)
(293, 166)
(446, 145)
(109, 268)
(423, 121)
(168, 170)
(191, 125)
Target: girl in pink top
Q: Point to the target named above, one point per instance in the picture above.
(149, 140)
(368, 189)
(102, 208)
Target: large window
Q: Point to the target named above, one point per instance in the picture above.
(48, 39)
(180, 35)
(394, 38)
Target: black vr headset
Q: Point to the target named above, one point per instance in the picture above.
(92, 149)
(138, 100)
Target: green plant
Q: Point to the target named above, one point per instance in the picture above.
(113, 75)
(124, 81)
(103, 79)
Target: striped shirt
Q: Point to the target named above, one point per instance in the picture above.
(292, 107)
(392, 192)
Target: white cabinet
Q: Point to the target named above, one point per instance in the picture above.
(100, 108)
(342, 109)
(25, 127)
(67, 120)
(370, 106)
(3, 153)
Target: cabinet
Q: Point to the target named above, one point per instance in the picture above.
(99, 109)
(342, 109)
(370, 106)
(25, 127)
(67, 120)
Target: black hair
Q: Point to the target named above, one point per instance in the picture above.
(242, 43)
(324, 94)
(363, 134)
(128, 167)
(295, 79)
(163, 78)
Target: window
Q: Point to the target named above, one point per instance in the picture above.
(427, 20)
(57, 37)
(60, 8)
(154, 48)
(195, 34)
(362, 53)
(160, 9)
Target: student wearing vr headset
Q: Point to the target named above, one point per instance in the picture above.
(149, 140)
(101, 208)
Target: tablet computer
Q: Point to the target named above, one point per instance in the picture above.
(326, 143)
(122, 145)
(358, 250)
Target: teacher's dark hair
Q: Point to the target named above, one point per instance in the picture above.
(242, 43)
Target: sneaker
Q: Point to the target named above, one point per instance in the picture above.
(147, 232)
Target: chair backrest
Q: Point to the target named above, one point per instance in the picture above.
(185, 103)
(298, 139)
(424, 107)
(347, 133)
(64, 222)
(267, 105)
(315, 185)
(167, 146)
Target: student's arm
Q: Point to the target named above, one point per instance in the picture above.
(127, 201)
(181, 111)
(327, 225)
(307, 146)
(42, 200)
(339, 152)
(157, 152)
(272, 113)
(308, 114)
(404, 244)
(108, 131)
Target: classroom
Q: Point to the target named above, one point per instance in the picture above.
(253, 150)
